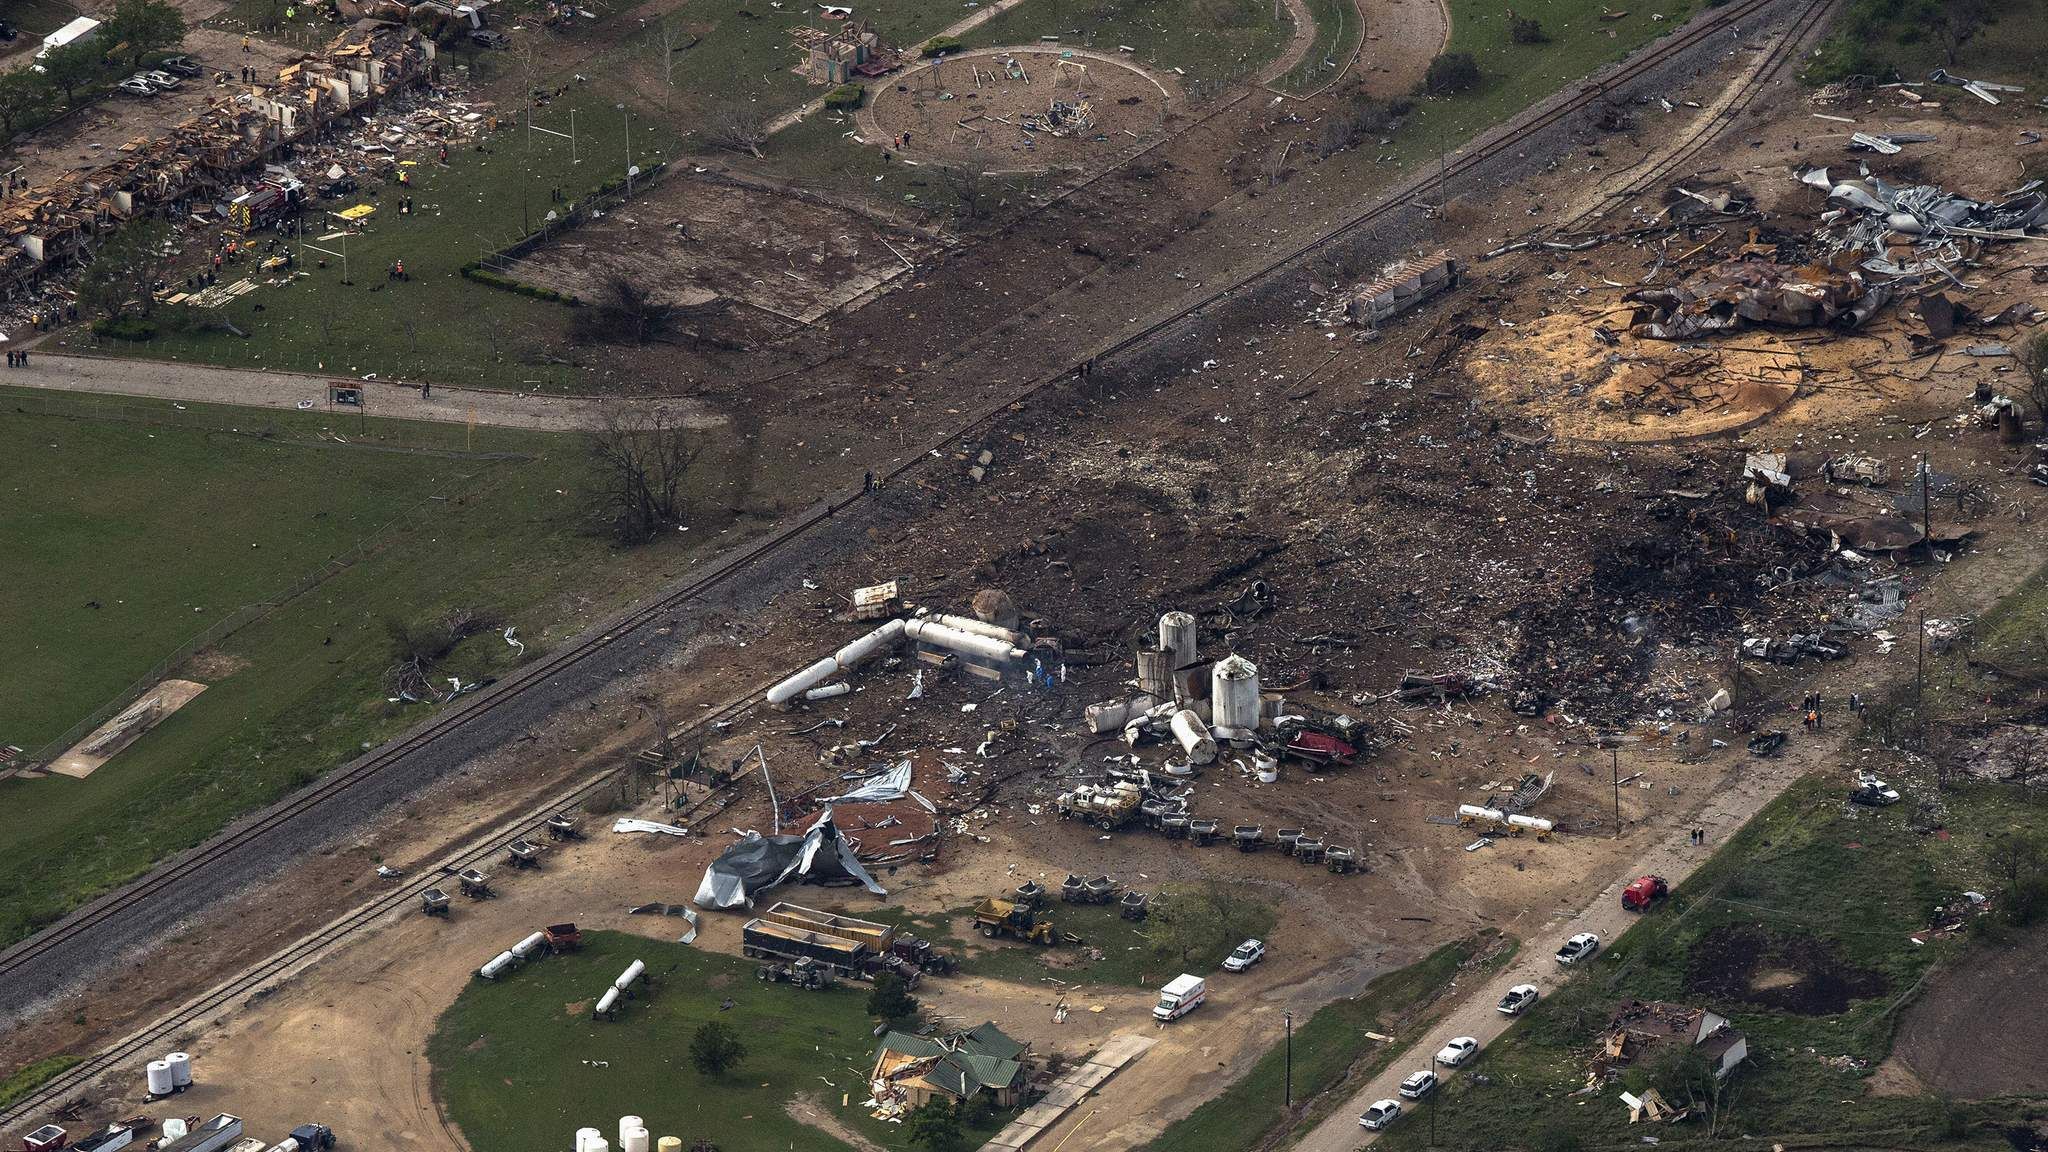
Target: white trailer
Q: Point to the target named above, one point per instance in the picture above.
(218, 1133)
(83, 26)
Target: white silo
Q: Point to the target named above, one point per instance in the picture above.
(669, 1144)
(627, 1124)
(1234, 698)
(159, 1077)
(1177, 635)
(181, 1069)
(633, 1140)
(585, 1137)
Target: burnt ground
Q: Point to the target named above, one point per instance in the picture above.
(1782, 971)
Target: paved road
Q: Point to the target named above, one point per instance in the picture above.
(209, 385)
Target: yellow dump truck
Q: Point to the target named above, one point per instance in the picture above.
(1008, 918)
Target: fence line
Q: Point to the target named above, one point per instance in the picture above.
(365, 547)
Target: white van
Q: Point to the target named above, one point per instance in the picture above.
(1179, 998)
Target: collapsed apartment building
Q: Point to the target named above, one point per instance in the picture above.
(52, 227)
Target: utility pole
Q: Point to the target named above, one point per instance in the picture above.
(629, 150)
(1290, 1058)
(1615, 759)
(1926, 511)
(1920, 681)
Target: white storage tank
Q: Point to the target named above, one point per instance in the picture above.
(1177, 636)
(497, 966)
(626, 1125)
(1234, 698)
(1194, 737)
(174, 1129)
(633, 1140)
(1471, 812)
(585, 1137)
(159, 1076)
(605, 1002)
(181, 1069)
(599, 1144)
(633, 972)
(530, 945)
(669, 1144)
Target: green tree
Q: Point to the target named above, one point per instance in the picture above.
(122, 277)
(891, 1000)
(1451, 72)
(935, 1127)
(1205, 922)
(715, 1049)
(75, 65)
(139, 27)
(24, 94)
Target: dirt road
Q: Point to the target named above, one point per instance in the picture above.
(203, 384)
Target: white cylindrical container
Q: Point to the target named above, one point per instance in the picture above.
(869, 644)
(627, 1124)
(669, 1144)
(599, 1144)
(1470, 812)
(633, 1140)
(286, 1145)
(605, 1002)
(982, 628)
(585, 1137)
(1535, 824)
(1234, 697)
(828, 691)
(174, 1129)
(1194, 737)
(1111, 715)
(497, 965)
(1177, 635)
(159, 1077)
(954, 640)
(789, 689)
(181, 1069)
(530, 945)
(1155, 673)
(633, 972)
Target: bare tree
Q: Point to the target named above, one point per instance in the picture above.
(673, 40)
(639, 460)
(974, 192)
(739, 127)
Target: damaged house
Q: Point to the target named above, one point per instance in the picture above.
(911, 1071)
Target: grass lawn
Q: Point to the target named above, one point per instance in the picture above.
(513, 1059)
(1206, 39)
(1338, 33)
(1819, 899)
(1879, 37)
(34, 1076)
(1330, 1048)
(35, 19)
(108, 515)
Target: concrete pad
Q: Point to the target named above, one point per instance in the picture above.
(106, 741)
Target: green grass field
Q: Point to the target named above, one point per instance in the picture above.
(1330, 1049)
(1206, 39)
(153, 520)
(1911, 38)
(1339, 33)
(1806, 872)
(513, 1060)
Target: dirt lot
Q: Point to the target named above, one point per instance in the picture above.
(1018, 110)
(1974, 1034)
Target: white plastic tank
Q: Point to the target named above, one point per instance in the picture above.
(633, 972)
(585, 1137)
(530, 945)
(159, 1076)
(1194, 737)
(633, 1140)
(174, 1129)
(605, 1002)
(626, 1125)
(1267, 767)
(1177, 635)
(497, 966)
(1234, 697)
(599, 1144)
(181, 1069)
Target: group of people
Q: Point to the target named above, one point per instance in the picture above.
(1811, 705)
(17, 359)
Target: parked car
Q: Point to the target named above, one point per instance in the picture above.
(1873, 793)
(487, 38)
(1517, 1000)
(1247, 954)
(181, 66)
(136, 87)
(1419, 1085)
(1381, 1114)
(1644, 891)
(1578, 948)
(1458, 1050)
(154, 86)
(160, 78)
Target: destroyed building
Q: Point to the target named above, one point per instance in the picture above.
(912, 1071)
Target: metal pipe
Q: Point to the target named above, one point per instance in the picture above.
(981, 628)
(940, 636)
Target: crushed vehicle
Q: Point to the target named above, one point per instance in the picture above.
(1873, 793)
(1106, 806)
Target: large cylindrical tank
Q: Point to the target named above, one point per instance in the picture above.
(633, 972)
(1536, 824)
(585, 1137)
(159, 1076)
(982, 628)
(286, 1145)
(954, 640)
(1111, 715)
(1177, 636)
(1234, 698)
(181, 1069)
(497, 965)
(627, 1124)
(174, 1129)
(1470, 812)
(599, 1144)
(1155, 673)
(605, 1002)
(530, 945)
(669, 1144)
(1194, 737)
(789, 689)
(633, 1140)
(869, 644)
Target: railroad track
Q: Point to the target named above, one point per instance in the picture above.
(107, 911)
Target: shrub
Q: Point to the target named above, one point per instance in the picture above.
(1451, 72)
(940, 45)
(891, 1000)
(125, 328)
(715, 1049)
(845, 98)
(1529, 30)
